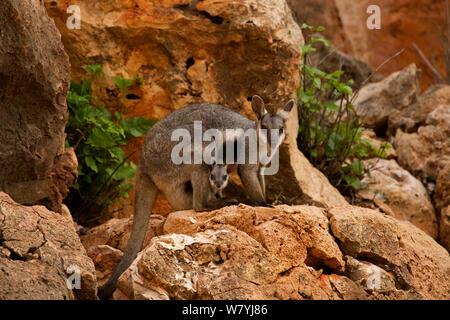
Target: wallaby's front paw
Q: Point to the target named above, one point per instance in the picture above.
(258, 204)
(231, 202)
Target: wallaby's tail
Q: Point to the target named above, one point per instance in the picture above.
(146, 193)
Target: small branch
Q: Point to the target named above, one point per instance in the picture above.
(382, 65)
(355, 94)
(329, 55)
(428, 63)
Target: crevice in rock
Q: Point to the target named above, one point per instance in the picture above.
(192, 9)
(288, 271)
(381, 130)
(317, 263)
(214, 19)
(15, 256)
(189, 62)
(400, 282)
(132, 96)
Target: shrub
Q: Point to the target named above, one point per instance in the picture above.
(104, 172)
(329, 129)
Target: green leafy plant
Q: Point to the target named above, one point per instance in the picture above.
(330, 133)
(104, 172)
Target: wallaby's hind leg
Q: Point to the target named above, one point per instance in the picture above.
(250, 178)
(146, 193)
(262, 183)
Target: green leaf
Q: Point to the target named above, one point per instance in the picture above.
(90, 162)
(117, 153)
(100, 139)
(317, 83)
(124, 172)
(353, 181)
(331, 106)
(94, 69)
(324, 41)
(123, 83)
(357, 167)
(305, 26)
(138, 126)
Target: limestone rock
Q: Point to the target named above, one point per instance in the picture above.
(288, 252)
(320, 13)
(35, 77)
(420, 266)
(39, 250)
(400, 194)
(116, 232)
(215, 51)
(410, 118)
(376, 101)
(401, 21)
(427, 151)
(331, 59)
(105, 260)
(281, 231)
(445, 228)
(370, 276)
(442, 192)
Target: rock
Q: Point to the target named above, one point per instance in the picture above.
(105, 243)
(330, 59)
(105, 259)
(281, 231)
(220, 52)
(376, 101)
(320, 13)
(370, 276)
(442, 191)
(444, 235)
(39, 249)
(409, 119)
(426, 152)
(400, 194)
(420, 266)
(401, 21)
(35, 76)
(236, 253)
(116, 232)
(288, 252)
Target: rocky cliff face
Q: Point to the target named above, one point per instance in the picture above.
(289, 252)
(34, 79)
(403, 23)
(217, 51)
(39, 251)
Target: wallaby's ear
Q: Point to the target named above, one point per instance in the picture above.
(258, 106)
(284, 113)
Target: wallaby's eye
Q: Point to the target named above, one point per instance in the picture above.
(211, 177)
(281, 130)
(225, 177)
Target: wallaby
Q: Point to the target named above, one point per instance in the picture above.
(187, 186)
(218, 179)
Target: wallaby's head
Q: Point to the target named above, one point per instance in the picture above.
(218, 177)
(271, 121)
